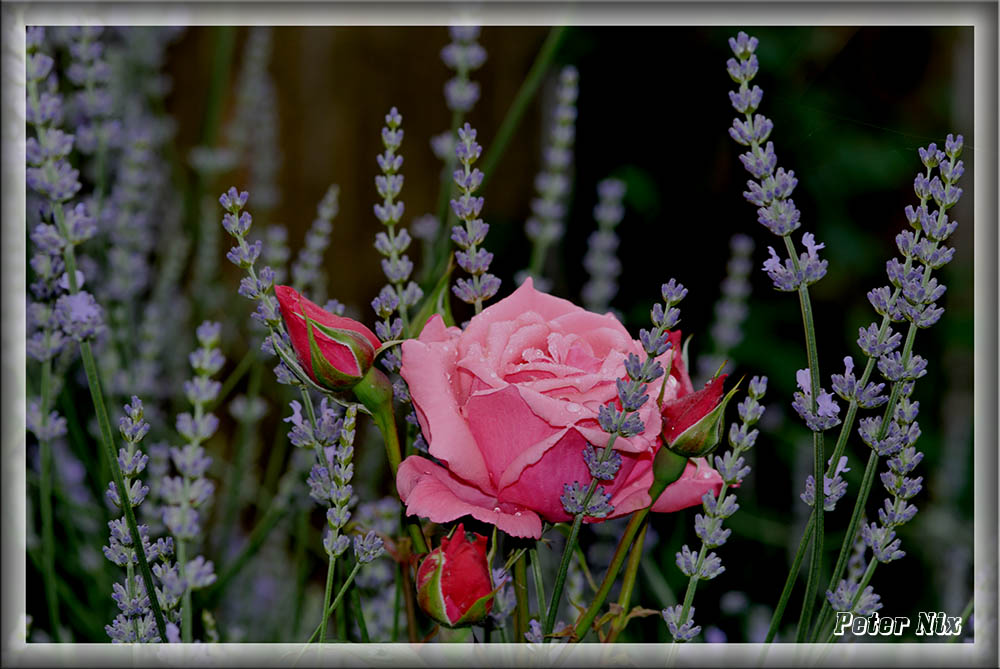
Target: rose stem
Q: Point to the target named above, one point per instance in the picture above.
(521, 595)
(628, 583)
(411, 611)
(536, 572)
(624, 544)
(375, 393)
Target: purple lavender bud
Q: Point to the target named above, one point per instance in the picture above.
(710, 530)
(731, 467)
(743, 45)
(654, 343)
(79, 315)
(47, 111)
(952, 172)
(604, 471)
(953, 146)
(680, 630)
(233, 201)
(686, 561)
(746, 101)
(905, 461)
(741, 437)
(58, 185)
(80, 225)
(631, 394)
(713, 507)
(237, 227)
(883, 542)
(742, 71)
(930, 156)
(368, 548)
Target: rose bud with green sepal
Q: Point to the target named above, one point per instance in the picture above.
(454, 586)
(692, 424)
(336, 352)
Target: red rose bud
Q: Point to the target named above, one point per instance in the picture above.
(336, 352)
(692, 424)
(453, 581)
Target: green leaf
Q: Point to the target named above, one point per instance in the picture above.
(438, 301)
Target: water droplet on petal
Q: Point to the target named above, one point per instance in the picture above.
(517, 513)
(496, 509)
(573, 407)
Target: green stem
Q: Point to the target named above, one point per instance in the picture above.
(45, 492)
(812, 357)
(359, 615)
(336, 601)
(302, 573)
(235, 473)
(567, 556)
(186, 608)
(570, 547)
(865, 580)
(521, 101)
(511, 120)
(326, 598)
(536, 572)
(521, 597)
(107, 440)
(411, 607)
(617, 560)
(628, 584)
(396, 603)
(375, 393)
(859, 509)
(665, 472)
(793, 573)
(963, 616)
(225, 41)
(234, 377)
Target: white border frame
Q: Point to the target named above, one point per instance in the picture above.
(982, 16)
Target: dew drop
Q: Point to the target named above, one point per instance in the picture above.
(517, 513)
(573, 407)
(496, 509)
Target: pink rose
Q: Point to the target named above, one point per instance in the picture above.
(509, 404)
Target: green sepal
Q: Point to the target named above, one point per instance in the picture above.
(438, 301)
(436, 609)
(477, 611)
(702, 437)
(667, 467)
(300, 374)
(684, 352)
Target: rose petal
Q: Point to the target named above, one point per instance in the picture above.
(426, 369)
(505, 428)
(681, 413)
(677, 368)
(431, 491)
(697, 479)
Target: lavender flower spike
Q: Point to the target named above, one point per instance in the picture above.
(472, 258)
(463, 55)
(548, 211)
(601, 260)
(400, 293)
(134, 623)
